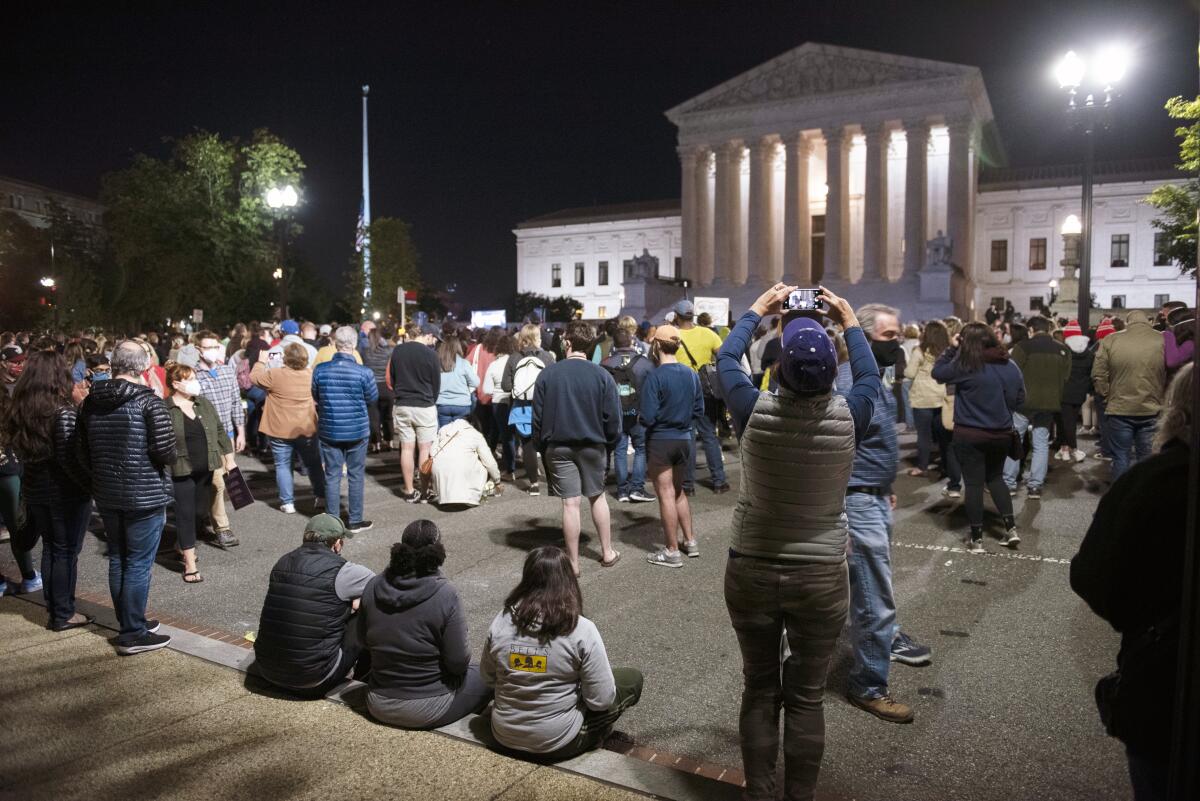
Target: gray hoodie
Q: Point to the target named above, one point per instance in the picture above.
(543, 688)
(417, 635)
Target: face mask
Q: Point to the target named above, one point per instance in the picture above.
(1006, 339)
(886, 351)
(212, 355)
(189, 387)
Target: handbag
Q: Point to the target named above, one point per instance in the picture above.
(427, 465)
(709, 384)
(1016, 449)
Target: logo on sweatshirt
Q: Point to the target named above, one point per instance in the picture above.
(527, 659)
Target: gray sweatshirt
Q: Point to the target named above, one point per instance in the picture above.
(542, 689)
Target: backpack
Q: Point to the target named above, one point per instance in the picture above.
(525, 376)
(627, 388)
(710, 385)
(243, 374)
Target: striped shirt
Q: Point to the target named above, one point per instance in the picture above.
(878, 453)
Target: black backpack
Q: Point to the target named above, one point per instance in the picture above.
(627, 388)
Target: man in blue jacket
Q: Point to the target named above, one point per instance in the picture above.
(342, 389)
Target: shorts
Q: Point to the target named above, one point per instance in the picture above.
(575, 470)
(416, 423)
(668, 452)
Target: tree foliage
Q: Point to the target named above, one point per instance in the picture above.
(557, 310)
(394, 264)
(1177, 204)
(194, 231)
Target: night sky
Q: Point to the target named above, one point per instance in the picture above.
(483, 115)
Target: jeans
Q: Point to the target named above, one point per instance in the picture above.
(62, 527)
(306, 447)
(1100, 405)
(1128, 433)
(983, 465)
(707, 435)
(1040, 460)
(872, 606)
(448, 414)
(503, 434)
(354, 456)
(11, 517)
(256, 399)
(923, 422)
(808, 602)
(629, 482)
(133, 539)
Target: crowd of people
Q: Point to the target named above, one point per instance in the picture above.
(136, 426)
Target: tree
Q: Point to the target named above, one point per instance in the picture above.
(560, 309)
(394, 264)
(24, 258)
(194, 231)
(1177, 203)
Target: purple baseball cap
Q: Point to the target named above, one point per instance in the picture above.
(808, 364)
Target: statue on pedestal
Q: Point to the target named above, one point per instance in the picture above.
(643, 266)
(937, 253)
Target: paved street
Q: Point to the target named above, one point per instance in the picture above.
(1004, 712)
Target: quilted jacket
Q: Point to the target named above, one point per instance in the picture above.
(61, 477)
(128, 443)
(342, 389)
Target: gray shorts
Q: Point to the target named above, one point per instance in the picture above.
(575, 470)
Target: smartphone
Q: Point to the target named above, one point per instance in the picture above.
(804, 300)
(274, 359)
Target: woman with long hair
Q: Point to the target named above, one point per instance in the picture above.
(459, 381)
(40, 428)
(501, 403)
(988, 389)
(201, 446)
(289, 422)
(482, 354)
(556, 694)
(528, 355)
(74, 356)
(415, 629)
(927, 398)
(377, 355)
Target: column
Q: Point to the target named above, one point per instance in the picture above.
(916, 132)
(837, 204)
(703, 220)
(875, 210)
(797, 217)
(726, 215)
(688, 219)
(760, 227)
(958, 191)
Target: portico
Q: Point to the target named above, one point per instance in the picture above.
(829, 164)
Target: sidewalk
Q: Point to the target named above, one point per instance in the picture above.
(80, 722)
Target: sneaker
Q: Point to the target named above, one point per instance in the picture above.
(975, 545)
(623, 498)
(908, 651)
(721, 489)
(288, 508)
(1102, 456)
(360, 526)
(948, 492)
(638, 496)
(884, 708)
(411, 497)
(152, 625)
(690, 549)
(1010, 538)
(664, 558)
(147, 642)
(1062, 456)
(1033, 493)
(1079, 455)
(225, 539)
(31, 585)
(534, 490)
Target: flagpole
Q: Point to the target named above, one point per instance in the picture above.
(366, 206)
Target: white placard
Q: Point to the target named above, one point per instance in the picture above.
(486, 318)
(718, 308)
(197, 315)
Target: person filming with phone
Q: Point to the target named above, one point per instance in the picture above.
(787, 559)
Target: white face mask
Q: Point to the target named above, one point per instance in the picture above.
(1007, 340)
(190, 387)
(213, 355)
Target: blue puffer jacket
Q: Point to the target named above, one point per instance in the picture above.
(342, 389)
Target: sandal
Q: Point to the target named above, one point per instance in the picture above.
(193, 578)
(613, 561)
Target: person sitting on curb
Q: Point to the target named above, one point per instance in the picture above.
(306, 642)
(415, 629)
(556, 694)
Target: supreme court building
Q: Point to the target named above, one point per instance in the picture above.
(840, 166)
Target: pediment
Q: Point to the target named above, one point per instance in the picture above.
(813, 70)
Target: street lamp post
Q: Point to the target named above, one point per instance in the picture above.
(282, 200)
(1089, 116)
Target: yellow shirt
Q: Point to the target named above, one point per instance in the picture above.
(702, 343)
(325, 354)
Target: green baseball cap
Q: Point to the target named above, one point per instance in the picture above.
(328, 527)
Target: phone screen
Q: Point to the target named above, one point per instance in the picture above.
(804, 300)
(274, 359)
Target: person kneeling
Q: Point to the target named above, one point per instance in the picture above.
(556, 694)
(306, 641)
(415, 630)
(464, 470)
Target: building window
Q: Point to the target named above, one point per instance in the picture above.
(1159, 300)
(1161, 259)
(16, 201)
(1120, 251)
(999, 255)
(678, 267)
(601, 311)
(998, 303)
(1037, 254)
(1118, 301)
(579, 273)
(556, 275)
(602, 275)
(1036, 303)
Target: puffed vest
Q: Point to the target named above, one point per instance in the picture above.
(796, 458)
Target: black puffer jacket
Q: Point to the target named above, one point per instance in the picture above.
(127, 443)
(61, 477)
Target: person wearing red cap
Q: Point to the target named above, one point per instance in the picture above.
(1075, 391)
